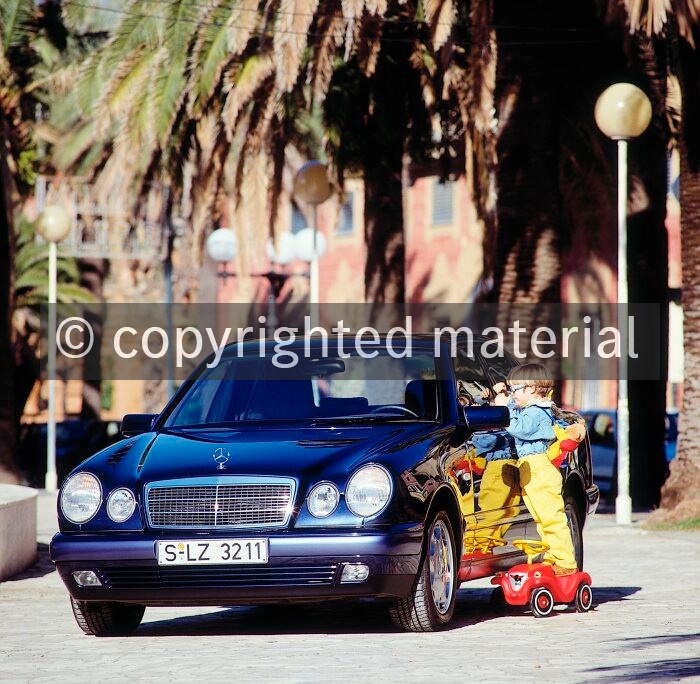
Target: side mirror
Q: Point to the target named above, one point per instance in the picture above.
(486, 417)
(137, 423)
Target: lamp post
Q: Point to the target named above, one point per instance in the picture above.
(622, 112)
(312, 186)
(222, 247)
(53, 225)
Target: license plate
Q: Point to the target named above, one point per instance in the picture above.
(212, 552)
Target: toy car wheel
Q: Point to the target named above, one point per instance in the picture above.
(584, 597)
(541, 602)
(498, 602)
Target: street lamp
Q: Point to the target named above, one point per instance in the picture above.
(53, 225)
(622, 112)
(222, 246)
(312, 186)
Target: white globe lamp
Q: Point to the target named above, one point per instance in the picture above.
(623, 111)
(222, 245)
(304, 244)
(283, 252)
(54, 223)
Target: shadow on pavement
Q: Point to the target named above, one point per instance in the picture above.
(655, 671)
(333, 617)
(636, 642)
(328, 618)
(607, 594)
(42, 566)
(363, 617)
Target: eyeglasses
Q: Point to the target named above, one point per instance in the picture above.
(515, 388)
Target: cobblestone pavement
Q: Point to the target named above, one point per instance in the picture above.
(645, 628)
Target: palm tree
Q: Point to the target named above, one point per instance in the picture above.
(680, 29)
(13, 138)
(27, 36)
(197, 90)
(208, 97)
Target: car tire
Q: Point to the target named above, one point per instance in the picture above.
(103, 618)
(584, 598)
(431, 603)
(541, 602)
(573, 518)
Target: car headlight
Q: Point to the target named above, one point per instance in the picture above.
(368, 491)
(323, 499)
(120, 505)
(81, 497)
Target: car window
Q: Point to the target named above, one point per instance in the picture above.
(470, 376)
(499, 367)
(255, 389)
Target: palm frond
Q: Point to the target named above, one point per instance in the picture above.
(440, 14)
(652, 16)
(66, 293)
(15, 17)
(293, 22)
(72, 145)
(243, 23)
(168, 95)
(255, 71)
(210, 54)
(330, 27)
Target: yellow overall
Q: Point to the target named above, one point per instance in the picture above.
(541, 485)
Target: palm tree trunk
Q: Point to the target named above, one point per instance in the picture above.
(386, 133)
(8, 427)
(680, 495)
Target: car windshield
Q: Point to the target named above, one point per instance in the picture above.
(322, 387)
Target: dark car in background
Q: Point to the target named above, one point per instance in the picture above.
(602, 433)
(345, 476)
(76, 440)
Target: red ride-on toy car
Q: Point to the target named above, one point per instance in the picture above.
(536, 584)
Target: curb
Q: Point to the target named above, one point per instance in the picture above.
(18, 513)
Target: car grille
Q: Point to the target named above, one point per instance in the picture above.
(150, 577)
(236, 505)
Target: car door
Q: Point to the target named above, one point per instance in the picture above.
(499, 515)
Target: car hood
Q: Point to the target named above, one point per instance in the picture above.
(282, 451)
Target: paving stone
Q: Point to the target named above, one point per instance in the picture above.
(645, 628)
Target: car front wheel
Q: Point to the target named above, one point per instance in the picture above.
(104, 618)
(431, 603)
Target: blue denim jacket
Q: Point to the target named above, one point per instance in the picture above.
(531, 427)
(492, 446)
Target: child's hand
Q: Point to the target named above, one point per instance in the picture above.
(500, 388)
(501, 399)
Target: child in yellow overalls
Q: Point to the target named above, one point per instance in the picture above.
(531, 425)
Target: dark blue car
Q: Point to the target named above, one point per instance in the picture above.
(352, 473)
(602, 433)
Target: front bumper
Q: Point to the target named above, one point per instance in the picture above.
(300, 568)
(592, 499)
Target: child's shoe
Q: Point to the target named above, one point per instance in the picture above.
(559, 571)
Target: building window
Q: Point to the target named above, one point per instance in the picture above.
(346, 223)
(298, 220)
(443, 203)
